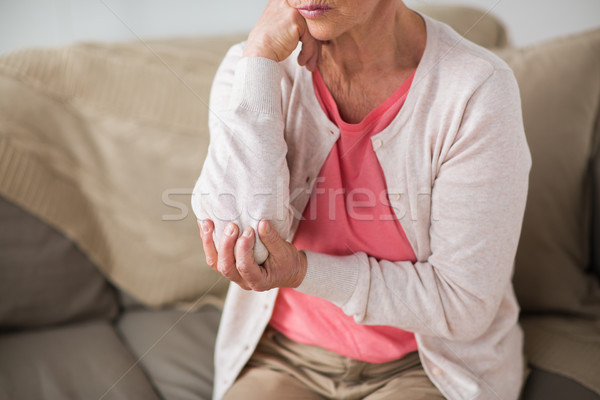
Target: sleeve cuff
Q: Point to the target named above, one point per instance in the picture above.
(332, 278)
(257, 85)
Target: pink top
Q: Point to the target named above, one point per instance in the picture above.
(348, 212)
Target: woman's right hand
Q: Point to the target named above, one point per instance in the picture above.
(277, 33)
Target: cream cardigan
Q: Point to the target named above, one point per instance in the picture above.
(456, 165)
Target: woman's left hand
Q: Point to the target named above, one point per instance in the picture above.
(285, 266)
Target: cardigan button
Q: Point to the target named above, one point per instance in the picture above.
(436, 371)
(377, 143)
(395, 196)
(332, 131)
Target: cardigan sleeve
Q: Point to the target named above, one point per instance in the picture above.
(478, 197)
(245, 176)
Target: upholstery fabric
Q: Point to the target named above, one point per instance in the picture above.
(175, 349)
(559, 296)
(79, 361)
(472, 23)
(560, 90)
(543, 385)
(44, 278)
(567, 346)
(111, 161)
(595, 248)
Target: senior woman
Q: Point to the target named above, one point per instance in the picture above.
(364, 196)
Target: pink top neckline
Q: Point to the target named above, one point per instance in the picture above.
(379, 113)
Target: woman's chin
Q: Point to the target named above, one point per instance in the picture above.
(320, 31)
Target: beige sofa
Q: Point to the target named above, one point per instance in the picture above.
(104, 293)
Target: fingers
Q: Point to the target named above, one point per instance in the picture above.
(311, 49)
(252, 273)
(235, 258)
(226, 262)
(307, 44)
(269, 236)
(277, 32)
(313, 62)
(276, 36)
(286, 266)
(206, 233)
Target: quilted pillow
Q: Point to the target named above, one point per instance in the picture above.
(44, 278)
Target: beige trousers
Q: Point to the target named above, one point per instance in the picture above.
(283, 369)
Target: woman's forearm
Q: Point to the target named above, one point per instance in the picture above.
(245, 177)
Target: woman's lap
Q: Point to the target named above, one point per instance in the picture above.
(266, 384)
(414, 385)
(281, 368)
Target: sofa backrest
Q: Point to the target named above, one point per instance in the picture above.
(474, 24)
(162, 93)
(560, 91)
(595, 171)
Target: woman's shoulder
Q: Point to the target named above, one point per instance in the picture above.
(455, 57)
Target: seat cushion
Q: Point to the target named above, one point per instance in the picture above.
(544, 385)
(80, 361)
(564, 345)
(44, 278)
(175, 349)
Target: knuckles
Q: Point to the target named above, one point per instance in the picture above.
(245, 270)
(259, 287)
(278, 31)
(253, 281)
(225, 270)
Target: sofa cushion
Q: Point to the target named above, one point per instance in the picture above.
(559, 296)
(544, 385)
(565, 345)
(80, 361)
(175, 349)
(472, 23)
(560, 90)
(596, 204)
(44, 278)
(104, 142)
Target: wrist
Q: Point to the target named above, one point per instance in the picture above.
(302, 268)
(253, 50)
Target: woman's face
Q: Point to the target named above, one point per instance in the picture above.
(328, 19)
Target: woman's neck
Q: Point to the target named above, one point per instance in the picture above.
(384, 43)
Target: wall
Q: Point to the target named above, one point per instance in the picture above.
(55, 22)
